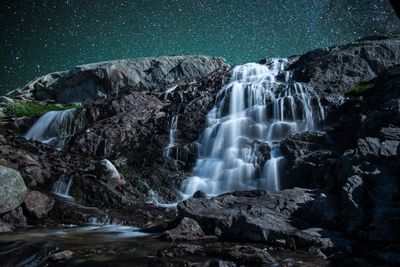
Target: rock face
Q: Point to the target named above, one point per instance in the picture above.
(12, 189)
(90, 82)
(338, 68)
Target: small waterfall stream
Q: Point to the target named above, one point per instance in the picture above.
(171, 151)
(63, 186)
(252, 114)
(54, 128)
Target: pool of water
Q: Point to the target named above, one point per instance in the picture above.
(112, 245)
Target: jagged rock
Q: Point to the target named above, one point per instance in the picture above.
(369, 147)
(12, 189)
(15, 218)
(338, 68)
(248, 255)
(390, 148)
(310, 160)
(301, 144)
(122, 126)
(372, 148)
(391, 133)
(250, 215)
(106, 171)
(103, 80)
(323, 239)
(38, 204)
(352, 199)
(187, 230)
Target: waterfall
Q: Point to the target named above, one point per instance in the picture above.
(172, 147)
(258, 108)
(168, 91)
(54, 128)
(63, 186)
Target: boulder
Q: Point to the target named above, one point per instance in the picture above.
(104, 80)
(38, 204)
(62, 255)
(187, 230)
(106, 171)
(199, 194)
(12, 189)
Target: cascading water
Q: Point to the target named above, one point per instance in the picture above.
(172, 147)
(240, 148)
(63, 186)
(54, 128)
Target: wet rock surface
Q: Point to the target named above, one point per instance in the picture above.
(341, 197)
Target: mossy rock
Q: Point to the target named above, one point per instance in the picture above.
(12, 189)
(34, 109)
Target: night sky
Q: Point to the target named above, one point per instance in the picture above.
(38, 37)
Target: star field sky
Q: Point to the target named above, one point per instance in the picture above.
(38, 37)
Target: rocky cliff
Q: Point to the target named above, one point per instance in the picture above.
(342, 181)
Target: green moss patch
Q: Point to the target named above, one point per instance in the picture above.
(361, 88)
(33, 109)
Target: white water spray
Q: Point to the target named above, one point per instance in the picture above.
(63, 186)
(254, 110)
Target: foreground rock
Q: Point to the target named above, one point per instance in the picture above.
(38, 204)
(252, 215)
(187, 230)
(12, 189)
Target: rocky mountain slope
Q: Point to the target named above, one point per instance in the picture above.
(341, 197)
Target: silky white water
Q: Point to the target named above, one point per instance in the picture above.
(63, 186)
(252, 114)
(171, 151)
(54, 127)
